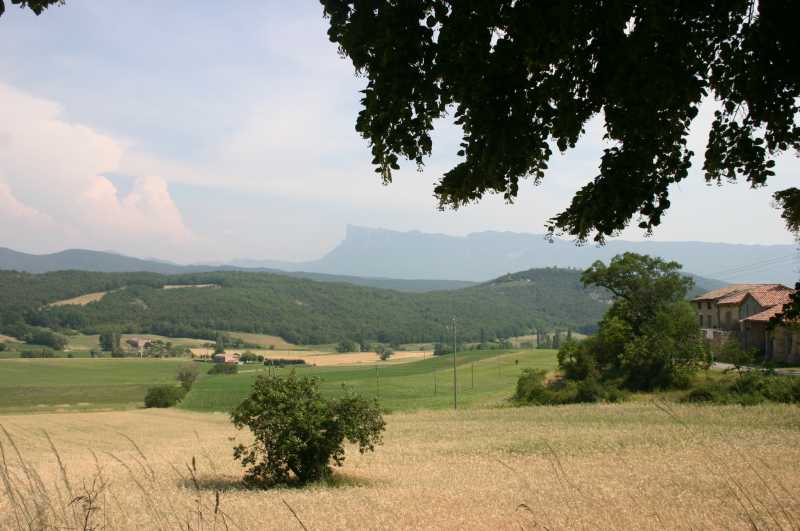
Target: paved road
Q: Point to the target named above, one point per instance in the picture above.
(730, 366)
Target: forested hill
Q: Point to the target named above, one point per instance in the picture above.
(299, 310)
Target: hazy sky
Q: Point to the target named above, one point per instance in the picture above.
(194, 131)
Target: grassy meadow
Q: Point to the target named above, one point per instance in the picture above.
(401, 385)
(615, 466)
(423, 384)
(80, 383)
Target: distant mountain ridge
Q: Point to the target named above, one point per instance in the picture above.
(107, 262)
(484, 255)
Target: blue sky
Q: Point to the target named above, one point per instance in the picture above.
(195, 130)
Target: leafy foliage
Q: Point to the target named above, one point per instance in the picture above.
(649, 338)
(48, 339)
(187, 375)
(747, 389)
(37, 6)
(347, 345)
(298, 431)
(384, 352)
(526, 76)
(224, 368)
(161, 396)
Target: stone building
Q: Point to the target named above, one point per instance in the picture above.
(744, 311)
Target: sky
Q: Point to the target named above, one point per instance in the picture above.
(184, 131)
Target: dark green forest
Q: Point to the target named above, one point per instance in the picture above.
(299, 310)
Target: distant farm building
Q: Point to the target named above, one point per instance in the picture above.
(225, 358)
(744, 311)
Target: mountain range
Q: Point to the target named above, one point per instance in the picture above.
(416, 262)
(484, 255)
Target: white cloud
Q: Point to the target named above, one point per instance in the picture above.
(53, 193)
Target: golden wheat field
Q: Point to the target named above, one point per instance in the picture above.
(628, 466)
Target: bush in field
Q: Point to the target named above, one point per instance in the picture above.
(187, 375)
(48, 339)
(250, 357)
(3, 347)
(32, 354)
(299, 432)
(748, 388)
(163, 396)
(384, 352)
(280, 362)
(533, 389)
(224, 368)
(347, 345)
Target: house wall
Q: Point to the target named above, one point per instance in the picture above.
(707, 314)
(754, 336)
(785, 345)
(728, 316)
(749, 307)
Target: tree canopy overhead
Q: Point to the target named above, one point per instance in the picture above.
(37, 6)
(525, 76)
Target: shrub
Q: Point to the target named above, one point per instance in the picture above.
(280, 362)
(224, 368)
(3, 347)
(532, 389)
(299, 432)
(42, 353)
(187, 374)
(48, 339)
(705, 393)
(384, 353)
(590, 390)
(163, 396)
(347, 345)
(250, 357)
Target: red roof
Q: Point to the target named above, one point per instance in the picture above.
(766, 315)
(773, 301)
(736, 293)
(727, 291)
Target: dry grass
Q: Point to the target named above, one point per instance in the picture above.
(6, 338)
(322, 359)
(630, 466)
(81, 300)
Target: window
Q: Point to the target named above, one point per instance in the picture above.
(728, 317)
(708, 305)
(701, 321)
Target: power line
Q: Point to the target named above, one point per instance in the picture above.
(753, 267)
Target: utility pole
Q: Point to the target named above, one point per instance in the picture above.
(473, 376)
(378, 382)
(455, 378)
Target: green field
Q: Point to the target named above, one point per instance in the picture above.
(85, 384)
(74, 384)
(425, 384)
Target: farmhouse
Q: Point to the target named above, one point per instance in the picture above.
(225, 358)
(744, 311)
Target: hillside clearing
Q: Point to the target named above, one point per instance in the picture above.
(81, 300)
(181, 286)
(626, 466)
(263, 340)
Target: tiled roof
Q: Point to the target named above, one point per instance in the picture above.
(776, 296)
(765, 296)
(727, 291)
(766, 315)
